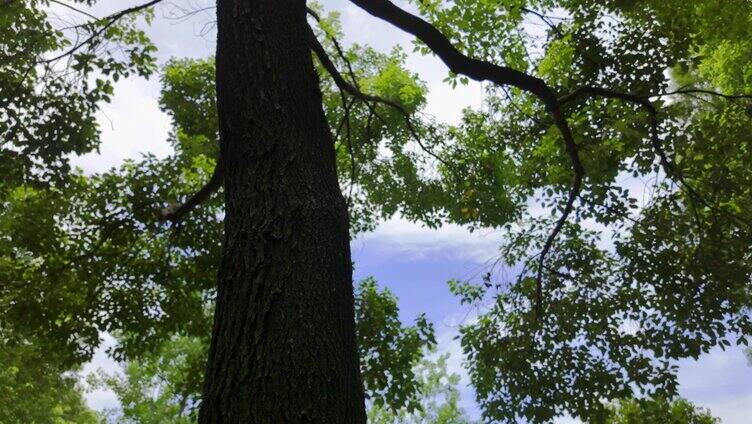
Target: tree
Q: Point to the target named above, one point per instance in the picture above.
(164, 386)
(36, 387)
(608, 294)
(438, 399)
(679, 411)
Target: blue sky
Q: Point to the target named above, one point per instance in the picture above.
(414, 262)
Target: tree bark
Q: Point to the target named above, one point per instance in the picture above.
(283, 348)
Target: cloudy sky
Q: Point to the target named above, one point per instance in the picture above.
(413, 261)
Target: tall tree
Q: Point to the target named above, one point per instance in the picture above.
(283, 347)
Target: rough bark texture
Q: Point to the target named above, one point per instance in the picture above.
(283, 347)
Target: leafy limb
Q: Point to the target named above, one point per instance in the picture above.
(480, 70)
(354, 91)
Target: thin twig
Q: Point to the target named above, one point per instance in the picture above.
(75, 9)
(109, 21)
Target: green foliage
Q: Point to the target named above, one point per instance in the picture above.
(51, 84)
(36, 388)
(633, 282)
(388, 351)
(87, 258)
(164, 385)
(437, 400)
(658, 411)
(189, 96)
(91, 255)
(161, 387)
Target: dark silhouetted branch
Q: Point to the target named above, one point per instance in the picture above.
(645, 103)
(178, 213)
(108, 22)
(480, 70)
(687, 91)
(344, 85)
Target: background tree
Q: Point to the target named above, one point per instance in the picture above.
(679, 411)
(438, 398)
(36, 387)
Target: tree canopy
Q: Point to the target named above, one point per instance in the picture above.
(615, 167)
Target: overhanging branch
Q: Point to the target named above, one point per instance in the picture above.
(177, 214)
(457, 62)
(108, 21)
(480, 70)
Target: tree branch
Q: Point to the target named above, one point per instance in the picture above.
(73, 8)
(480, 70)
(457, 62)
(178, 213)
(687, 91)
(343, 85)
(108, 22)
(644, 101)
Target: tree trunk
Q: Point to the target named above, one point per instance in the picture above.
(283, 348)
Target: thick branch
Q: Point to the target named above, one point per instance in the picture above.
(457, 62)
(480, 70)
(475, 69)
(176, 214)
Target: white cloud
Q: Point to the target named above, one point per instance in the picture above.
(131, 125)
(733, 410)
(399, 237)
(719, 381)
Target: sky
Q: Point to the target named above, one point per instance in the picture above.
(413, 261)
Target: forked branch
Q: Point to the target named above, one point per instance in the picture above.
(480, 70)
(354, 91)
